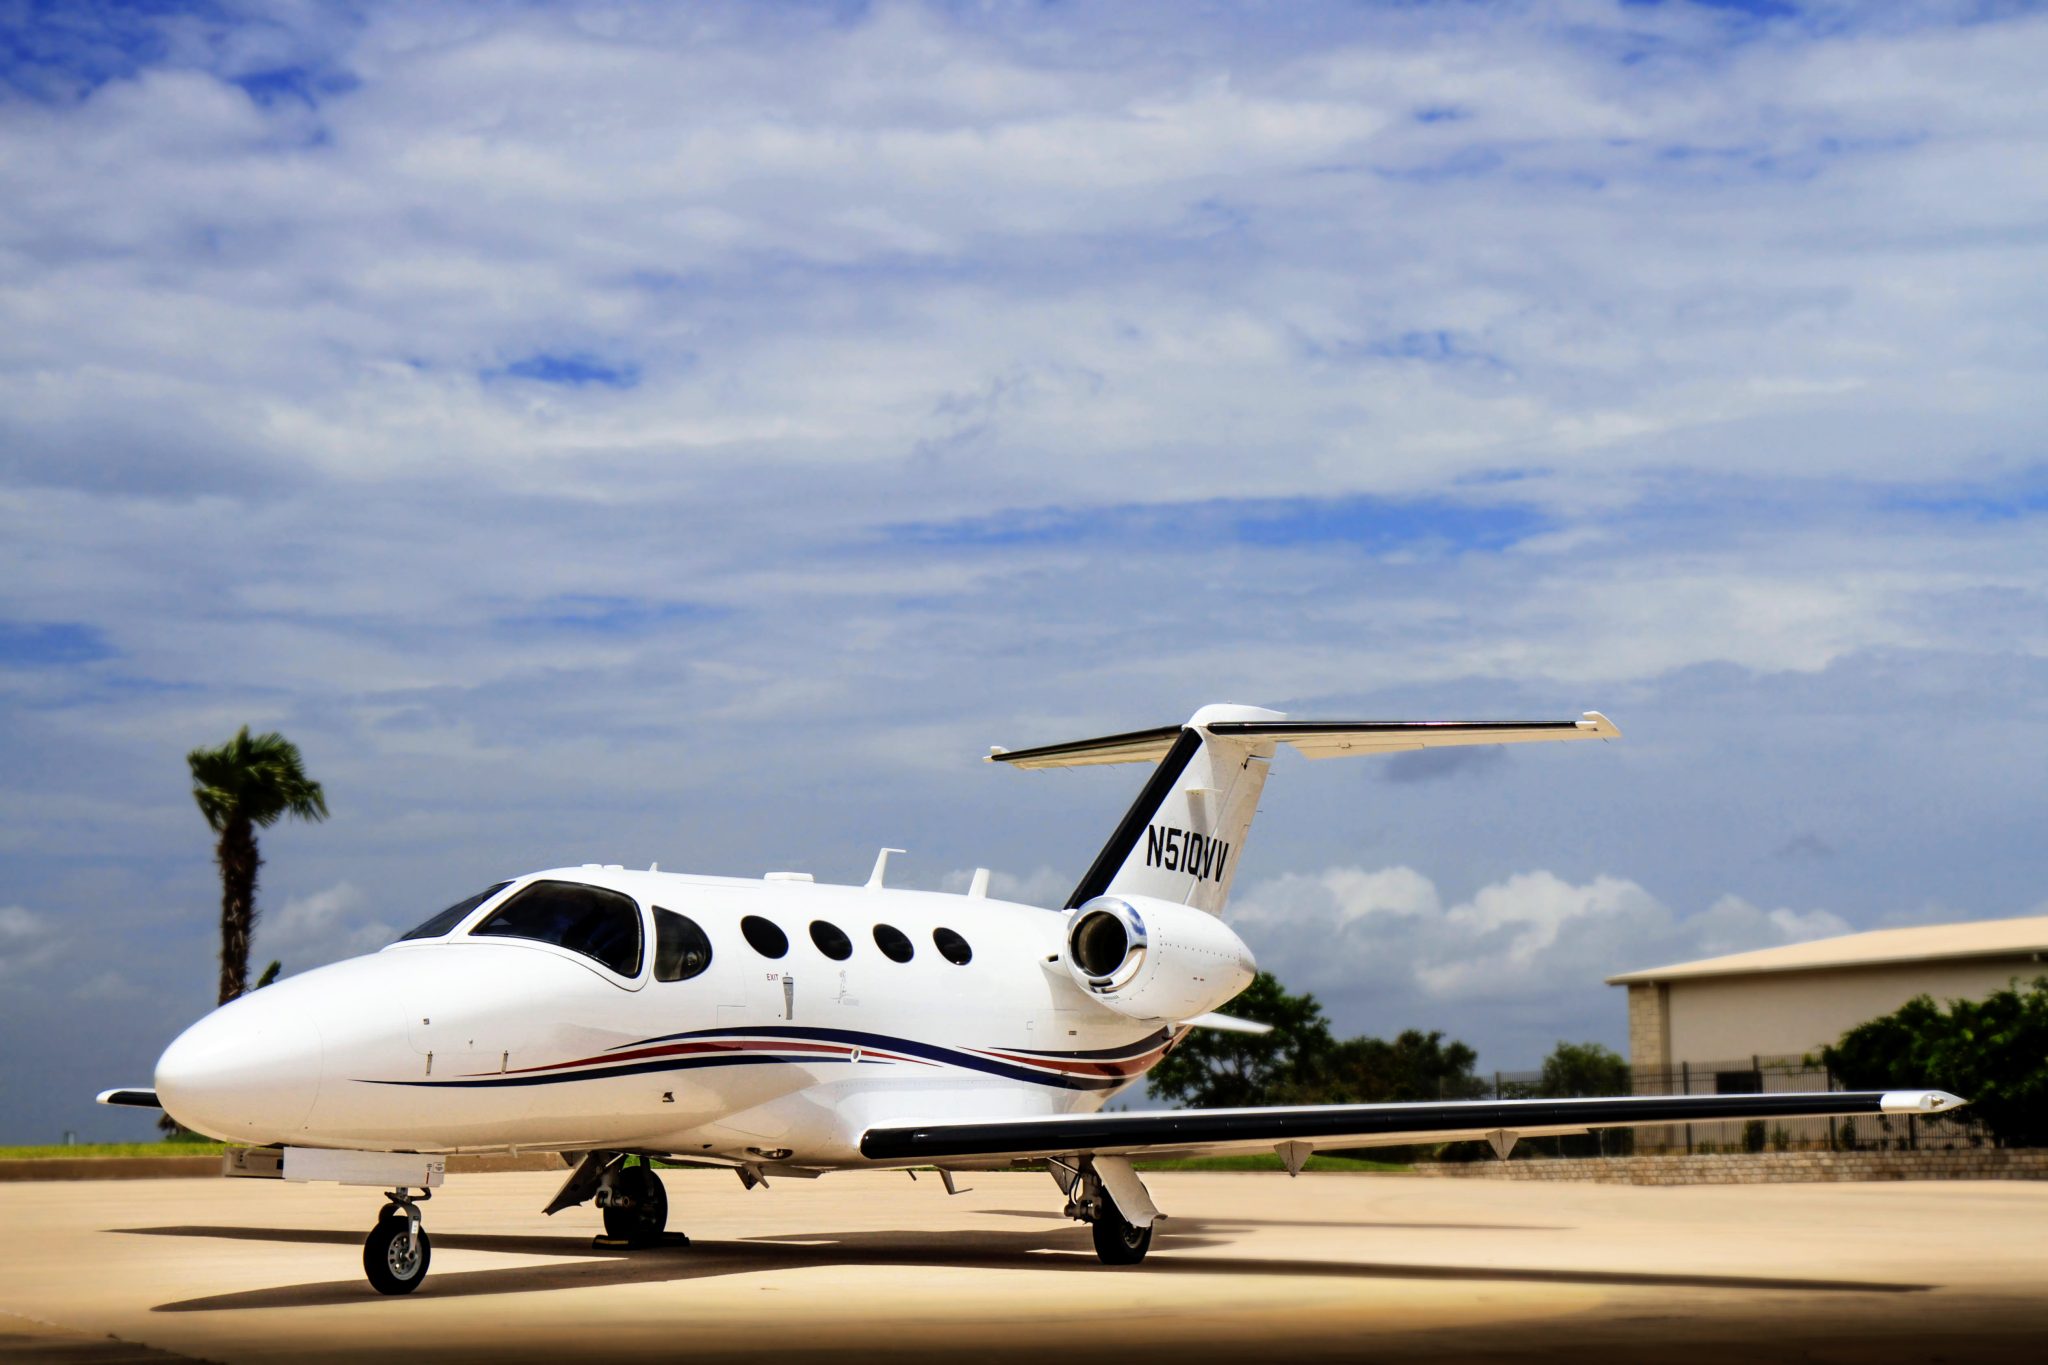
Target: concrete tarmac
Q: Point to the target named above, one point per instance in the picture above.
(1250, 1268)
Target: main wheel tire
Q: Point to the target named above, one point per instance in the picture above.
(638, 1213)
(1117, 1240)
(389, 1259)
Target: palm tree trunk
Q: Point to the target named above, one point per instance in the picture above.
(238, 859)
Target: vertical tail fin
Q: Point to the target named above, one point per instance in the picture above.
(1181, 839)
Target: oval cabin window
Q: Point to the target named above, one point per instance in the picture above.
(952, 947)
(894, 943)
(766, 938)
(831, 940)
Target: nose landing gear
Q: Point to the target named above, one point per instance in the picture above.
(397, 1251)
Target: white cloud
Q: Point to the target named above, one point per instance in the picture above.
(111, 988)
(1740, 319)
(325, 926)
(27, 941)
(1045, 886)
(1518, 964)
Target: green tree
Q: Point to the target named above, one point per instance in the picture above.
(1414, 1066)
(1574, 1070)
(1577, 1070)
(1212, 1069)
(249, 783)
(1993, 1052)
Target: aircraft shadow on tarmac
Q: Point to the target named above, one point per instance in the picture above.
(1064, 1249)
(1181, 1225)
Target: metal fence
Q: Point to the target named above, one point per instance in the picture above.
(1750, 1076)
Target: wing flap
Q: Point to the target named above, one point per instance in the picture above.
(1191, 1132)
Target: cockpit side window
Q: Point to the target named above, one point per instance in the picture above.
(681, 950)
(454, 914)
(590, 920)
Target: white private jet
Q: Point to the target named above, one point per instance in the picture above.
(784, 1028)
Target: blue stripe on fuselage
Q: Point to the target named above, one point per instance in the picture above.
(851, 1038)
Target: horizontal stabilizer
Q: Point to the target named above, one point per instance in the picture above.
(1312, 738)
(1181, 839)
(133, 1097)
(1338, 738)
(1224, 1023)
(1138, 746)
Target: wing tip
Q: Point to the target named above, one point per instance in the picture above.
(129, 1097)
(1919, 1102)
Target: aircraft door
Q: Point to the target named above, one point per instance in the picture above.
(765, 997)
(762, 992)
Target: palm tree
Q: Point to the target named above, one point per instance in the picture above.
(251, 781)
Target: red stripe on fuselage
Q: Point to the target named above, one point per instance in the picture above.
(687, 1049)
(1126, 1067)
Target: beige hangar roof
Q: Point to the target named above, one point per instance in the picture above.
(1924, 942)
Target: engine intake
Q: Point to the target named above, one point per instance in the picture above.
(1152, 959)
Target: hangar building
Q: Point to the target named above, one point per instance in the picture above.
(1743, 1023)
(1778, 1004)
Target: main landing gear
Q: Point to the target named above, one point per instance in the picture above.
(1105, 1193)
(397, 1251)
(1117, 1240)
(629, 1194)
(635, 1205)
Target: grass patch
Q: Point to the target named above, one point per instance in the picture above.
(1268, 1161)
(113, 1149)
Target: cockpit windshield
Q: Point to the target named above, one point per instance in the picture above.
(454, 914)
(590, 920)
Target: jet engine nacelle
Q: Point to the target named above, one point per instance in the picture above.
(1152, 959)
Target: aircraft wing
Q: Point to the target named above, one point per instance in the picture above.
(133, 1097)
(1198, 1132)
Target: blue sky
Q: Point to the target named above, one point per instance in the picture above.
(618, 432)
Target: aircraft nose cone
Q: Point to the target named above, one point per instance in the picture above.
(248, 1072)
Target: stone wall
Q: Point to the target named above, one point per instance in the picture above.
(1757, 1168)
(1648, 1030)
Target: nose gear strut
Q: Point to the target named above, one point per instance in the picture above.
(398, 1250)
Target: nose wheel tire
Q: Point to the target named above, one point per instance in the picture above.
(1117, 1240)
(394, 1263)
(637, 1212)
